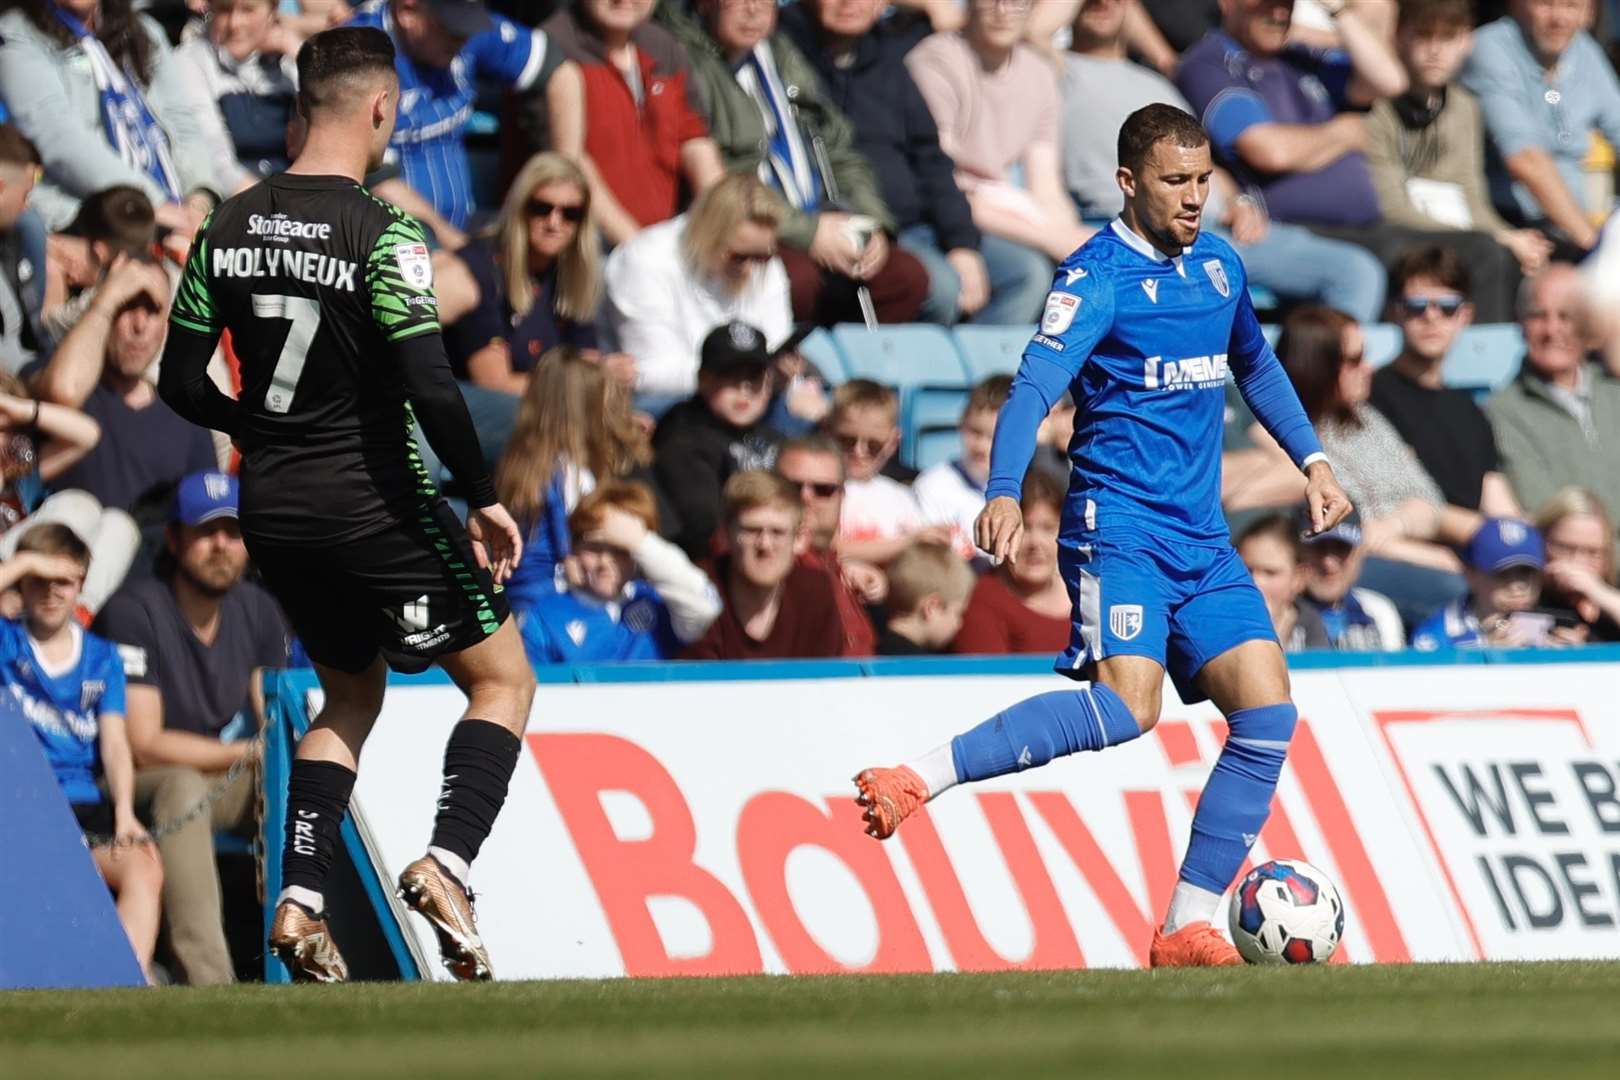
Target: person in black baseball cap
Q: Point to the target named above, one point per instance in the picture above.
(718, 431)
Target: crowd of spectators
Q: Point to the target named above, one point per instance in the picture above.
(676, 192)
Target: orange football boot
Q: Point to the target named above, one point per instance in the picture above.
(1197, 944)
(889, 797)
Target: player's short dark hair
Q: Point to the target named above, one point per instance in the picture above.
(1437, 263)
(1153, 124)
(1279, 527)
(15, 147)
(1435, 16)
(54, 538)
(1043, 486)
(121, 216)
(334, 62)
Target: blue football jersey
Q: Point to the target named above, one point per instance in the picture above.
(573, 628)
(1145, 344)
(435, 104)
(65, 709)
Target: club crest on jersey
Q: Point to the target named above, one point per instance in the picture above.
(1060, 311)
(415, 265)
(1125, 620)
(1217, 277)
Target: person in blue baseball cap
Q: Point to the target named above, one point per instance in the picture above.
(205, 496)
(1505, 560)
(190, 638)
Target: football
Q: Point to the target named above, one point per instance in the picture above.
(1287, 912)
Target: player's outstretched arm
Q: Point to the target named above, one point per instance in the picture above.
(1327, 501)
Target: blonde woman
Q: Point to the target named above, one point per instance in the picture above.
(673, 282)
(1580, 582)
(574, 429)
(536, 279)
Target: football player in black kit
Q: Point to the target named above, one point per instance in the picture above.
(328, 295)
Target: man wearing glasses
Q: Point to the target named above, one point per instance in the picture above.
(1444, 425)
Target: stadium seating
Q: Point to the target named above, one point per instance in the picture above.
(991, 350)
(931, 446)
(1485, 357)
(903, 357)
(820, 349)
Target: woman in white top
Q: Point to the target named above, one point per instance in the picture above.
(673, 282)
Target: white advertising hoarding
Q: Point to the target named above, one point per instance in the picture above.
(709, 827)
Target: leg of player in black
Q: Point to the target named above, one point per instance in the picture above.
(478, 763)
(318, 790)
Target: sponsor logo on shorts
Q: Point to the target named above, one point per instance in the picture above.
(1125, 620)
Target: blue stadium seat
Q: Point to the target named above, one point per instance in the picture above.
(991, 350)
(820, 349)
(907, 356)
(935, 445)
(1485, 357)
(930, 408)
(1382, 343)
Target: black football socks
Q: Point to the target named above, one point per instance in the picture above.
(317, 798)
(478, 764)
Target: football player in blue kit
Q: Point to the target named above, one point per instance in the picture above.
(1142, 326)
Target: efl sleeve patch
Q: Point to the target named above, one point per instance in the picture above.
(415, 265)
(1058, 316)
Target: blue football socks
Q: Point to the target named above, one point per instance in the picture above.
(1041, 728)
(1237, 799)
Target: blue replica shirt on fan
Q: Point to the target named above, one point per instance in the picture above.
(435, 104)
(577, 628)
(65, 706)
(1144, 342)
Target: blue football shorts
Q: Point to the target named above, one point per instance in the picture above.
(1177, 603)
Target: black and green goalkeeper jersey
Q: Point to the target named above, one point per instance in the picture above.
(328, 296)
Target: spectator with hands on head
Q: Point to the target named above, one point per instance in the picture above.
(634, 596)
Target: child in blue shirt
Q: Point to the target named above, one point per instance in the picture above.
(632, 594)
(69, 684)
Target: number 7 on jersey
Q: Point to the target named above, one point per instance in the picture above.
(305, 315)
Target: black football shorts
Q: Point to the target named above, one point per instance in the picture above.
(411, 593)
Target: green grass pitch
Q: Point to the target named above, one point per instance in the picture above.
(1478, 1020)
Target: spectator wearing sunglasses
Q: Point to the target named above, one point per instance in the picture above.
(815, 466)
(674, 282)
(718, 432)
(536, 280)
(1407, 525)
(881, 517)
(1443, 424)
